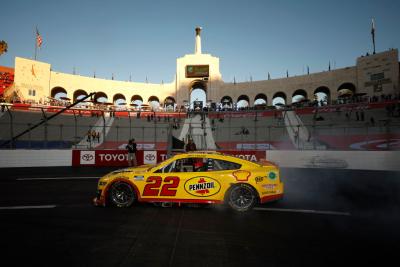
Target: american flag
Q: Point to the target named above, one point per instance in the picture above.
(39, 40)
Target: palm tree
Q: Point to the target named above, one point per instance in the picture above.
(3, 47)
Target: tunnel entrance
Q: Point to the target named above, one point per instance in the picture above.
(198, 95)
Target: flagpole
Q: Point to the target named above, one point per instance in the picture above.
(373, 34)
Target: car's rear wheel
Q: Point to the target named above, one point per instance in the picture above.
(241, 197)
(121, 194)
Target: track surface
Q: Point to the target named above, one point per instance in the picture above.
(51, 222)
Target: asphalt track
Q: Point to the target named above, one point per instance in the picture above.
(325, 219)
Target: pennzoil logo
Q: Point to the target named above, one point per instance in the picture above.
(202, 186)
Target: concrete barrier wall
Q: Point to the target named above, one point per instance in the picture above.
(35, 158)
(357, 160)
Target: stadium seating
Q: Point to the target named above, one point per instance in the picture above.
(333, 127)
(61, 132)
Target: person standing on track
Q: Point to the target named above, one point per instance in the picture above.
(131, 147)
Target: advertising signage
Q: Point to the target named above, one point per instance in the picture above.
(197, 71)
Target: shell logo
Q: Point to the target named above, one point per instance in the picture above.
(202, 186)
(241, 176)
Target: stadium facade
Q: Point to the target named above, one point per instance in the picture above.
(375, 74)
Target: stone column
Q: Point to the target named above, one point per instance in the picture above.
(197, 48)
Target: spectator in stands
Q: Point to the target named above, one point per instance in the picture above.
(89, 136)
(98, 137)
(372, 120)
(296, 137)
(362, 115)
(132, 149)
(190, 146)
(93, 135)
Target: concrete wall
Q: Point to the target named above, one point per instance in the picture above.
(35, 158)
(361, 160)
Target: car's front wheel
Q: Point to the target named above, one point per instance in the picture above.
(241, 197)
(121, 194)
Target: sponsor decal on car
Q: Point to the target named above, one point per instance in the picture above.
(241, 176)
(269, 186)
(202, 186)
(259, 179)
(268, 192)
(138, 178)
(272, 175)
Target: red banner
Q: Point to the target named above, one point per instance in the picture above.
(120, 157)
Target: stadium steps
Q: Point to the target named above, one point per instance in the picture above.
(202, 136)
(103, 126)
(298, 133)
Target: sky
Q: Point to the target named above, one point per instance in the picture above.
(143, 39)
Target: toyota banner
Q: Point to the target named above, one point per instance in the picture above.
(120, 157)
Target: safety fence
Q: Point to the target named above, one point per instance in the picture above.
(157, 135)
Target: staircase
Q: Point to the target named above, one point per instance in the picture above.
(298, 133)
(103, 125)
(200, 131)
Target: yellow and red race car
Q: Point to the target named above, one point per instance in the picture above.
(195, 177)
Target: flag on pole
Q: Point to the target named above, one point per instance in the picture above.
(39, 39)
(373, 33)
(308, 69)
(329, 67)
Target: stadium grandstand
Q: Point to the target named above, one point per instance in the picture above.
(351, 126)
(353, 108)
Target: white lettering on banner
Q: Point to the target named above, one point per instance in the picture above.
(149, 146)
(113, 157)
(259, 146)
(146, 146)
(247, 157)
(87, 158)
(163, 157)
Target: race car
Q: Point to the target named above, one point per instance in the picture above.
(194, 177)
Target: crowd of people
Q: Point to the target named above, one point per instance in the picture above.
(112, 109)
